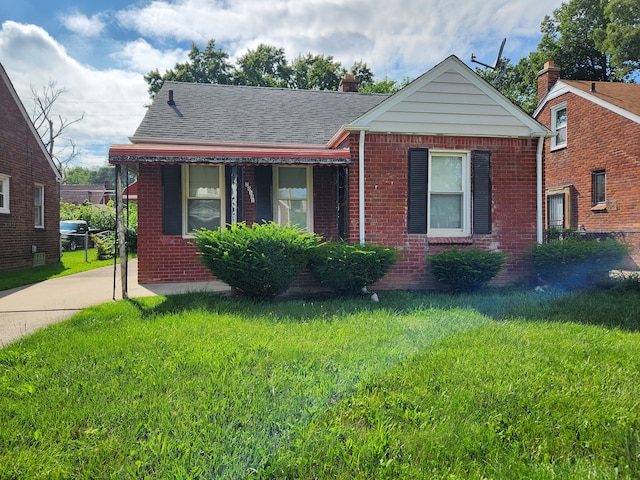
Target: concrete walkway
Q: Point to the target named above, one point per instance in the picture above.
(23, 310)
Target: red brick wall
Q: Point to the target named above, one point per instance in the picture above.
(171, 258)
(598, 139)
(22, 159)
(513, 210)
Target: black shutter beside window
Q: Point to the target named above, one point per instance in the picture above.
(417, 201)
(171, 200)
(264, 186)
(481, 173)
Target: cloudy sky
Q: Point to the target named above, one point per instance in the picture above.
(99, 51)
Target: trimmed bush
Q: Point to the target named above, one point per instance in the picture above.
(347, 269)
(574, 263)
(465, 270)
(260, 260)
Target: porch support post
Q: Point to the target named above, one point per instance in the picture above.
(539, 192)
(234, 195)
(121, 232)
(361, 187)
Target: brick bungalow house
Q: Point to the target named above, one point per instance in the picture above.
(29, 188)
(592, 166)
(445, 161)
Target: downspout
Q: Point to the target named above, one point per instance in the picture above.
(361, 187)
(539, 192)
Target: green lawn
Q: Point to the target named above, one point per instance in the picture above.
(501, 385)
(71, 262)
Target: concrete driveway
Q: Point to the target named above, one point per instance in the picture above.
(23, 310)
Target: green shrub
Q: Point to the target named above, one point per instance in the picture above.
(575, 263)
(260, 260)
(346, 268)
(466, 270)
(105, 245)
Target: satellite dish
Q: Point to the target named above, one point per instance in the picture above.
(499, 65)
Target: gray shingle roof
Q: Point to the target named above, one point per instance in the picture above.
(227, 113)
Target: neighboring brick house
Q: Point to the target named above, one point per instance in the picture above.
(81, 194)
(29, 188)
(592, 166)
(445, 161)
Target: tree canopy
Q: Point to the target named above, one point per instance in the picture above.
(267, 66)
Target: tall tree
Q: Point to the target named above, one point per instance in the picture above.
(209, 65)
(317, 72)
(266, 66)
(62, 149)
(621, 40)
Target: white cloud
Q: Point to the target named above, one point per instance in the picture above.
(84, 26)
(112, 101)
(141, 56)
(394, 39)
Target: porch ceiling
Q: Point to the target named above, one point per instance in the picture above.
(161, 153)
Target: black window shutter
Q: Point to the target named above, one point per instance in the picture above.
(417, 201)
(228, 169)
(264, 185)
(481, 173)
(171, 200)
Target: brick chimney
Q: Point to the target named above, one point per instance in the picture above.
(547, 78)
(349, 83)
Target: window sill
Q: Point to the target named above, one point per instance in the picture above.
(555, 148)
(450, 240)
(601, 207)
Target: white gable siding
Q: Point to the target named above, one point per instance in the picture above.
(450, 105)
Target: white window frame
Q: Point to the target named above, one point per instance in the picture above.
(309, 199)
(555, 144)
(185, 197)
(465, 230)
(38, 222)
(6, 197)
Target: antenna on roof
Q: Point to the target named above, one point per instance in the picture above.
(498, 66)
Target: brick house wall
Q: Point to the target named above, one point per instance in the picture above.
(22, 159)
(172, 258)
(386, 189)
(597, 139)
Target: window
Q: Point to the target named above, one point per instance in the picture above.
(38, 205)
(559, 125)
(293, 194)
(4, 194)
(449, 192)
(559, 201)
(599, 183)
(203, 208)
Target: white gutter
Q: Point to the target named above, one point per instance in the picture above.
(539, 192)
(361, 186)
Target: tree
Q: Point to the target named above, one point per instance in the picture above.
(51, 130)
(317, 72)
(266, 66)
(621, 40)
(210, 65)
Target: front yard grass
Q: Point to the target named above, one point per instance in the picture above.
(508, 384)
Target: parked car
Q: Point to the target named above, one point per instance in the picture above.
(73, 234)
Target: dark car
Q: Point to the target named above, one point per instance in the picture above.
(73, 234)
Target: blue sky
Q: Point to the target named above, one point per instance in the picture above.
(99, 51)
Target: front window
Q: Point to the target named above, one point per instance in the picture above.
(38, 205)
(4, 194)
(559, 125)
(599, 180)
(293, 194)
(556, 210)
(448, 213)
(203, 202)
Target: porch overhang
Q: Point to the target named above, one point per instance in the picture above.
(162, 153)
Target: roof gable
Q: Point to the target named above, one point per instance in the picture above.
(620, 98)
(450, 99)
(230, 114)
(5, 78)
